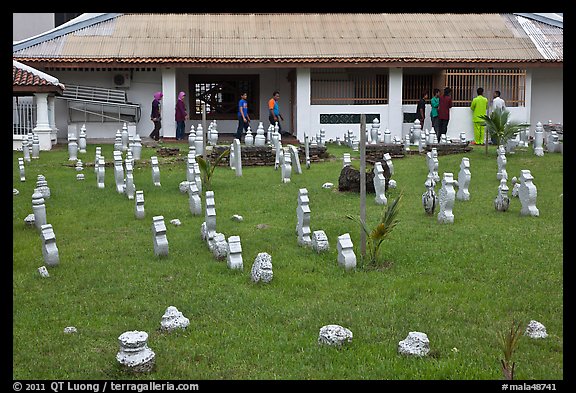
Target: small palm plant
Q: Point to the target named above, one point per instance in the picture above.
(509, 344)
(207, 168)
(500, 127)
(376, 236)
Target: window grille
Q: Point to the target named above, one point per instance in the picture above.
(221, 94)
(348, 87)
(510, 82)
(414, 85)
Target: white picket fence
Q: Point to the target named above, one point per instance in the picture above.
(24, 118)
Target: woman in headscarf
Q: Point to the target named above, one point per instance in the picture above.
(181, 116)
(155, 116)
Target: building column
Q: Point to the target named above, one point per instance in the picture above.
(303, 120)
(528, 101)
(51, 121)
(168, 103)
(42, 128)
(395, 112)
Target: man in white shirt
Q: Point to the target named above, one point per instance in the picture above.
(497, 102)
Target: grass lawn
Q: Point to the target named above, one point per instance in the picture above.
(461, 284)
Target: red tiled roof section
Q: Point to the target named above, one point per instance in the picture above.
(24, 78)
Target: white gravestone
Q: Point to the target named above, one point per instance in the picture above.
(464, 177)
(124, 137)
(194, 200)
(407, 143)
(553, 143)
(155, 171)
(279, 155)
(26, 150)
(286, 168)
(129, 187)
(307, 150)
(72, 149)
(210, 216)
(417, 132)
(139, 205)
(346, 256)
(249, 138)
(231, 158)
(42, 185)
(159, 236)
(539, 140)
(199, 141)
(388, 160)
(82, 139)
(134, 354)
(137, 148)
(218, 246)
(334, 335)
(97, 158)
(190, 161)
(303, 216)
(197, 176)
(415, 344)
(262, 268)
(191, 136)
(101, 172)
(173, 320)
(502, 201)
(39, 209)
(429, 198)
(260, 138)
(36, 146)
(374, 131)
(234, 257)
(346, 161)
(527, 194)
(387, 136)
(49, 249)
(322, 140)
(43, 271)
(446, 197)
(432, 161)
(515, 187)
(535, 330)
(295, 159)
(379, 184)
(118, 171)
(320, 241)
(21, 168)
(118, 140)
(237, 157)
(501, 161)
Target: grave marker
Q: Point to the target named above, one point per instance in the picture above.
(159, 236)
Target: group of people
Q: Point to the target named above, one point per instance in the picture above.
(440, 111)
(274, 115)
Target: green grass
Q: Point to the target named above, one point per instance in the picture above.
(461, 284)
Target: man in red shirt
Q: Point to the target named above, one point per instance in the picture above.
(444, 112)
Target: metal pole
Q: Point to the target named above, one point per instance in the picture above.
(204, 129)
(363, 182)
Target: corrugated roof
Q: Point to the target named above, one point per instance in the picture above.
(190, 38)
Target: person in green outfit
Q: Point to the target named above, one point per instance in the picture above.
(435, 103)
(479, 107)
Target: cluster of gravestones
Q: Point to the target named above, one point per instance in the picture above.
(134, 352)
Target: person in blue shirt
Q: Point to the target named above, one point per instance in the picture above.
(243, 118)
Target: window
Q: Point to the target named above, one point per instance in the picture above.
(464, 82)
(414, 85)
(348, 87)
(221, 94)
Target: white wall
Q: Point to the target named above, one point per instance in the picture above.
(547, 96)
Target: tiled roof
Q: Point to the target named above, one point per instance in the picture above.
(289, 38)
(26, 78)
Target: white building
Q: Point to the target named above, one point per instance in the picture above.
(328, 68)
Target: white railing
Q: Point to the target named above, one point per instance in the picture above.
(24, 118)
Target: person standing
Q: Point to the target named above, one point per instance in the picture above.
(421, 109)
(444, 112)
(155, 116)
(243, 118)
(181, 116)
(479, 107)
(434, 102)
(274, 115)
(498, 102)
